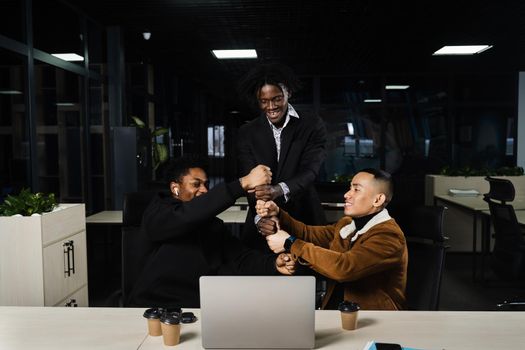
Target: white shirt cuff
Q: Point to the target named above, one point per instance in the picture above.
(286, 191)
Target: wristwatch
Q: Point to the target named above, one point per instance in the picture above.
(288, 243)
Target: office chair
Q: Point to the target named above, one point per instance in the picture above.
(508, 254)
(136, 248)
(426, 256)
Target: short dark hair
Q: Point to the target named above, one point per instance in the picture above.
(266, 74)
(179, 167)
(385, 179)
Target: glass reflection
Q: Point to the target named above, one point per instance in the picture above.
(14, 145)
(65, 38)
(58, 121)
(12, 19)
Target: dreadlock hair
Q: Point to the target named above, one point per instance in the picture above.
(179, 167)
(266, 74)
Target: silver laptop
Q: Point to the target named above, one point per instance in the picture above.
(272, 312)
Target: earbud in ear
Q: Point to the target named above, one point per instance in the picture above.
(177, 192)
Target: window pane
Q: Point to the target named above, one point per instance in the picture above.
(53, 38)
(14, 157)
(58, 121)
(12, 19)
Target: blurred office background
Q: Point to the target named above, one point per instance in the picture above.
(66, 123)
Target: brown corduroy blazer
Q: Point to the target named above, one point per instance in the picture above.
(373, 269)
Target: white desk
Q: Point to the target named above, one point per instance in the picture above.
(242, 202)
(71, 328)
(230, 216)
(233, 216)
(477, 203)
(106, 217)
(476, 206)
(121, 328)
(333, 204)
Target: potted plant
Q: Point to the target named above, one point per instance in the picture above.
(43, 259)
(160, 153)
(27, 204)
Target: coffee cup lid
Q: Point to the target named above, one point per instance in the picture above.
(173, 310)
(153, 313)
(348, 306)
(170, 318)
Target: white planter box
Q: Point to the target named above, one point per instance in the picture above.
(43, 259)
(440, 184)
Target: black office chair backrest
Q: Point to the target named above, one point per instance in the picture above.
(500, 190)
(424, 222)
(426, 256)
(508, 255)
(136, 247)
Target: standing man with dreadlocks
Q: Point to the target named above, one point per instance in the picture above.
(292, 146)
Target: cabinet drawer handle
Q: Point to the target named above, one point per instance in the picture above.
(69, 258)
(72, 256)
(71, 303)
(66, 259)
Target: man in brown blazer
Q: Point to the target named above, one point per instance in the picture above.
(364, 254)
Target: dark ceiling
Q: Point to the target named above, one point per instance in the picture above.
(327, 37)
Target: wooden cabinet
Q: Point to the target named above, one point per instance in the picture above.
(43, 259)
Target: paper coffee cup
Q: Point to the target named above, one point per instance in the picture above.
(153, 317)
(170, 324)
(349, 312)
(349, 320)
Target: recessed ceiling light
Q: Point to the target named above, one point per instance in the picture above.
(350, 128)
(230, 54)
(64, 104)
(73, 57)
(397, 87)
(372, 100)
(10, 92)
(461, 50)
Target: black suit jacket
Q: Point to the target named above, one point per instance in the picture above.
(189, 242)
(302, 153)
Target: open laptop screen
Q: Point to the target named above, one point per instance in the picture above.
(257, 311)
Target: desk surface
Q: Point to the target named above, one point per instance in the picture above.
(125, 328)
(520, 215)
(243, 201)
(477, 203)
(230, 216)
(105, 217)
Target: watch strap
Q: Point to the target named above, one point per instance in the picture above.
(288, 243)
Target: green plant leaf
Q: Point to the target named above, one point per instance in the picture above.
(163, 152)
(160, 131)
(138, 122)
(27, 203)
(468, 171)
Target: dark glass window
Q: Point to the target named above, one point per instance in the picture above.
(58, 121)
(56, 29)
(14, 145)
(12, 19)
